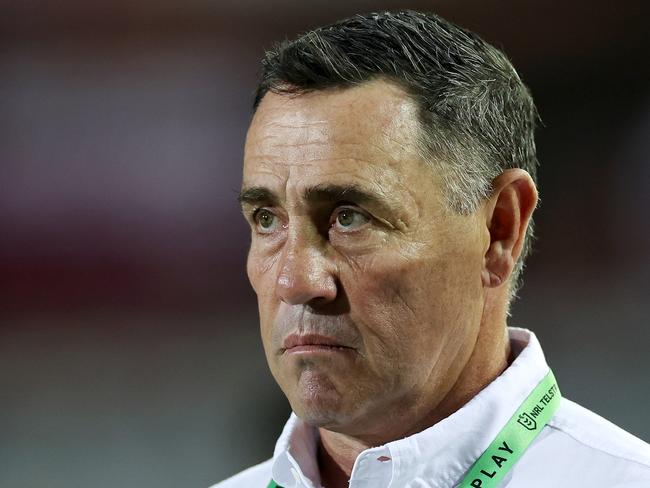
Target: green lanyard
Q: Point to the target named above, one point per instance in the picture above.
(509, 445)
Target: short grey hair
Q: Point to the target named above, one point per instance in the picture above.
(477, 117)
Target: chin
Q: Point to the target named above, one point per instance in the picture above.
(319, 405)
(318, 410)
(319, 419)
(321, 398)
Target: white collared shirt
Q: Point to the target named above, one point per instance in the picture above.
(577, 448)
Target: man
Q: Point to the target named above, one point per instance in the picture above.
(389, 182)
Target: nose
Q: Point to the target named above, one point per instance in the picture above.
(306, 275)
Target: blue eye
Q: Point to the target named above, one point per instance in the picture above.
(348, 219)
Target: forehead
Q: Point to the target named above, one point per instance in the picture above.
(367, 133)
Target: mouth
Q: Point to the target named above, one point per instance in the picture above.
(312, 344)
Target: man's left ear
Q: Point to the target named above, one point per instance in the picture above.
(508, 212)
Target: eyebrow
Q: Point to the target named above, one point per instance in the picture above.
(258, 195)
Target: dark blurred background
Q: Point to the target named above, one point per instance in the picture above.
(128, 335)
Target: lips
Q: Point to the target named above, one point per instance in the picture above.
(311, 343)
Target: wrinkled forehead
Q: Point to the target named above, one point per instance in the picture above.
(373, 122)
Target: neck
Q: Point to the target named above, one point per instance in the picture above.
(337, 451)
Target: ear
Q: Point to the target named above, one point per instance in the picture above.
(508, 212)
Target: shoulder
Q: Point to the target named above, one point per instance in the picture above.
(594, 432)
(254, 477)
(581, 446)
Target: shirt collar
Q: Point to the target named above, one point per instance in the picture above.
(439, 455)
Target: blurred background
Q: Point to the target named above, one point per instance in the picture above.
(129, 353)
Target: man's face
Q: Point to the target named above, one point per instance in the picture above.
(369, 287)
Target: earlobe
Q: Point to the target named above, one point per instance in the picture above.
(508, 214)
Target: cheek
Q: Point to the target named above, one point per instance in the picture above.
(412, 306)
(262, 274)
(260, 270)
